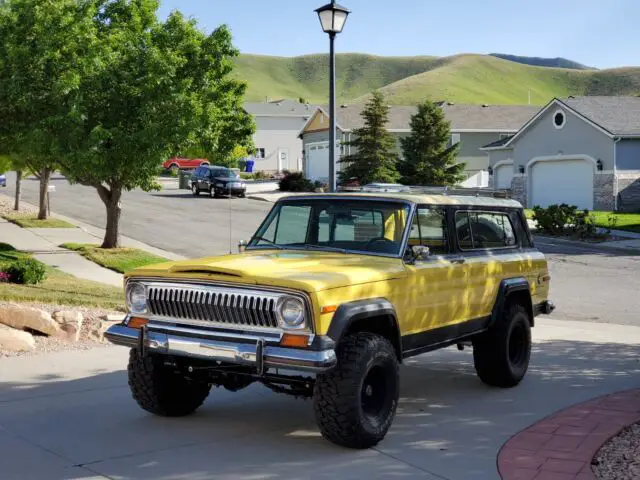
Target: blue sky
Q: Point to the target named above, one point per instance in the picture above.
(594, 32)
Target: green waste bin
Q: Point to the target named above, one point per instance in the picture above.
(183, 180)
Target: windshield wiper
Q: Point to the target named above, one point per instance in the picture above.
(309, 246)
(268, 241)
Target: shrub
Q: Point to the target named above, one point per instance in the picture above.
(565, 219)
(584, 225)
(555, 218)
(27, 271)
(295, 182)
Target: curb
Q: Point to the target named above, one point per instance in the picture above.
(588, 246)
(564, 444)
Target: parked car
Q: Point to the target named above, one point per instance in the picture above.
(339, 289)
(3, 180)
(217, 181)
(175, 164)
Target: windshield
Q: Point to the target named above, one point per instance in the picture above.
(367, 226)
(223, 173)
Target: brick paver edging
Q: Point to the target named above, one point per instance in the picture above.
(562, 446)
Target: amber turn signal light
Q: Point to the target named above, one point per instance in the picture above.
(298, 341)
(328, 309)
(137, 322)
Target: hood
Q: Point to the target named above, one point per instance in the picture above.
(302, 270)
(227, 179)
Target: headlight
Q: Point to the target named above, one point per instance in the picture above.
(136, 298)
(291, 311)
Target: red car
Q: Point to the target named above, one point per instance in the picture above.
(175, 164)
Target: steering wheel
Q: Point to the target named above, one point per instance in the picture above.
(379, 239)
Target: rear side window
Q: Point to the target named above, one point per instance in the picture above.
(484, 230)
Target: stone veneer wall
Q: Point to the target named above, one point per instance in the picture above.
(519, 189)
(603, 191)
(629, 191)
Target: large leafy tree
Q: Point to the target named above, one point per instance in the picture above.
(375, 156)
(160, 87)
(45, 51)
(427, 157)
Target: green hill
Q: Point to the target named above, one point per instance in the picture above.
(408, 80)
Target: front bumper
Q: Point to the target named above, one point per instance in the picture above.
(253, 353)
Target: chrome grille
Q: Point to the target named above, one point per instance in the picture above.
(230, 306)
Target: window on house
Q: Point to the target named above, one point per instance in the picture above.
(260, 153)
(455, 138)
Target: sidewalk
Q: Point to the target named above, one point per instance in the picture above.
(44, 244)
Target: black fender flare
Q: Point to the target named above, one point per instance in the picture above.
(509, 286)
(351, 312)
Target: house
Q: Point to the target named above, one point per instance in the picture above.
(276, 138)
(473, 126)
(583, 151)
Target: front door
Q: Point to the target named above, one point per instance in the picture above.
(437, 287)
(283, 159)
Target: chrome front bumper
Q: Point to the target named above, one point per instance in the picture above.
(256, 353)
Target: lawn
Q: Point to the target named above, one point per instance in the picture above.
(629, 222)
(30, 221)
(120, 260)
(58, 288)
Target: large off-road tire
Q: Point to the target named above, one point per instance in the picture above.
(355, 403)
(501, 355)
(161, 391)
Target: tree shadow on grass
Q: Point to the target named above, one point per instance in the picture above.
(448, 423)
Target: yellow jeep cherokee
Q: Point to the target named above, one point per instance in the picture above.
(329, 296)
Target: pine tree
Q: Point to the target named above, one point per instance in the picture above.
(375, 158)
(427, 159)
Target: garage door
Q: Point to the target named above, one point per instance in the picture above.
(318, 162)
(503, 175)
(562, 181)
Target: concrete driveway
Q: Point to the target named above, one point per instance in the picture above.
(70, 415)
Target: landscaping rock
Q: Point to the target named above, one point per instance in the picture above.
(619, 458)
(13, 340)
(70, 322)
(21, 318)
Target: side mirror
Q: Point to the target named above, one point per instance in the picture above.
(420, 253)
(242, 246)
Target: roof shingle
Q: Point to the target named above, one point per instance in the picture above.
(619, 115)
(503, 118)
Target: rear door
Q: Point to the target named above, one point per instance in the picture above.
(488, 242)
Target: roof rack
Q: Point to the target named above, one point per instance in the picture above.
(474, 192)
(419, 189)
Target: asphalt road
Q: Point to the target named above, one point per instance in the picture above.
(587, 284)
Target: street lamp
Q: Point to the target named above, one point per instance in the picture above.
(332, 18)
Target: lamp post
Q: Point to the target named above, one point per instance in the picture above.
(332, 19)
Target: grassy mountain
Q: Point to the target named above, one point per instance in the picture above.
(557, 62)
(408, 80)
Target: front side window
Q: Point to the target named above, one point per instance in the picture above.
(482, 230)
(366, 226)
(429, 228)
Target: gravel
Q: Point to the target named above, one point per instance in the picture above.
(619, 458)
(93, 320)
